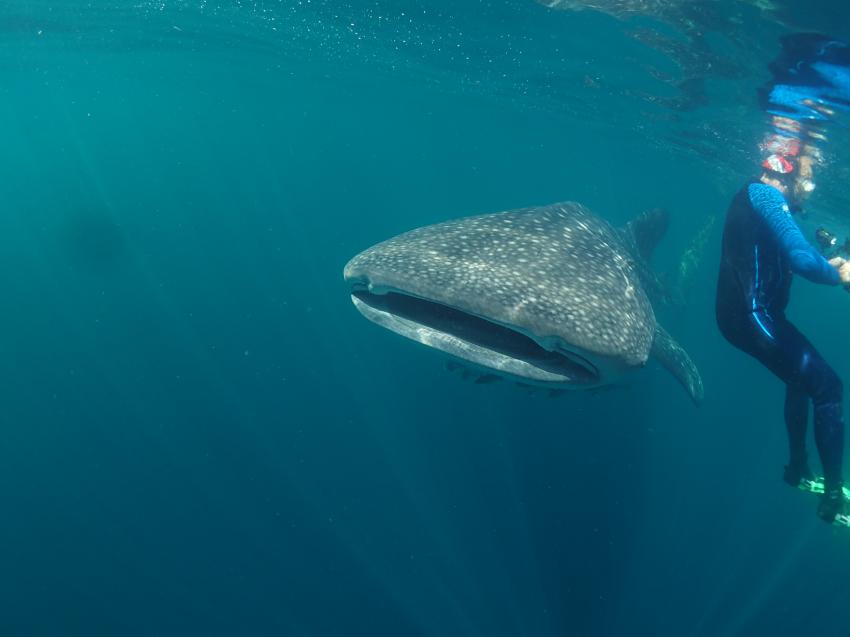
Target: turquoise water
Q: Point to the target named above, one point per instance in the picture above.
(202, 436)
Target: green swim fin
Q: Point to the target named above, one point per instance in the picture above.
(816, 487)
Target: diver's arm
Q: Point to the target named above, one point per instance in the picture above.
(805, 260)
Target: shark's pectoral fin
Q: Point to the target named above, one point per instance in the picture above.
(676, 361)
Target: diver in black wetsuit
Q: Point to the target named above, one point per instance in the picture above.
(763, 247)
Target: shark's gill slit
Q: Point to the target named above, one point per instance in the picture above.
(483, 333)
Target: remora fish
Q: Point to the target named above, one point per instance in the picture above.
(550, 296)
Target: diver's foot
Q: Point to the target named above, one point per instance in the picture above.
(832, 503)
(796, 475)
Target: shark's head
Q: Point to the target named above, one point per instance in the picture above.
(547, 296)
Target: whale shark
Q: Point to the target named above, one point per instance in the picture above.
(549, 296)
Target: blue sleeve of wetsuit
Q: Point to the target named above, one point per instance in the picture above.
(805, 260)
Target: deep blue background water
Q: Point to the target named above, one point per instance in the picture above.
(202, 436)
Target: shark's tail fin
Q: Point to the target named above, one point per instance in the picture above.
(646, 230)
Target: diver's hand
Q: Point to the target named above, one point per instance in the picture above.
(843, 271)
(843, 266)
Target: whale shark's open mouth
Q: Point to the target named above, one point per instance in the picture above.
(474, 339)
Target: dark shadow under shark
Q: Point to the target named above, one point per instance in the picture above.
(551, 296)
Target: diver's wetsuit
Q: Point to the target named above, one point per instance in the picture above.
(762, 247)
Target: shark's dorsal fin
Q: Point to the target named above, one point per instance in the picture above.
(676, 361)
(645, 231)
(641, 235)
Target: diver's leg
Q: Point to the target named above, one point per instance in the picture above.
(796, 422)
(780, 347)
(829, 421)
(812, 373)
(829, 438)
